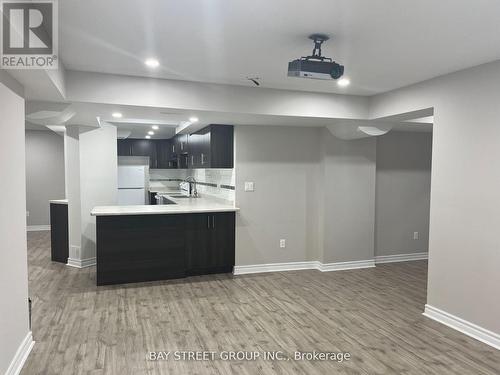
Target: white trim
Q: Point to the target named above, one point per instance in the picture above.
(461, 325)
(22, 353)
(401, 257)
(37, 228)
(296, 266)
(274, 267)
(340, 266)
(81, 263)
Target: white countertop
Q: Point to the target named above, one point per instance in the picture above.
(59, 201)
(182, 206)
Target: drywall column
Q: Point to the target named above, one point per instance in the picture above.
(72, 178)
(348, 209)
(98, 182)
(15, 337)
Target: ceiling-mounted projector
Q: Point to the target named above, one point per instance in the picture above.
(315, 66)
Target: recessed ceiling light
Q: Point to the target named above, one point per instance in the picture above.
(148, 136)
(117, 115)
(152, 63)
(343, 82)
(155, 127)
(193, 119)
(151, 132)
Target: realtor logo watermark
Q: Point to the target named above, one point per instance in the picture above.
(29, 34)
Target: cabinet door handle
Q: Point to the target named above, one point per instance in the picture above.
(182, 146)
(213, 221)
(202, 158)
(173, 149)
(208, 221)
(192, 159)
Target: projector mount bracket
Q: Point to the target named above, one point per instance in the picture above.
(316, 53)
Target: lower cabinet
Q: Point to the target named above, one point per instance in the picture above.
(59, 233)
(135, 248)
(210, 243)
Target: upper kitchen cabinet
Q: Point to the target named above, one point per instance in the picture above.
(212, 147)
(124, 147)
(181, 144)
(166, 158)
(145, 147)
(138, 147)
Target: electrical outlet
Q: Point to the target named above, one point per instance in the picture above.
(415, 235)
(249, 186)
(282, 243)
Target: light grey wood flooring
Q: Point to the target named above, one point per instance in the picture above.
(374, 314)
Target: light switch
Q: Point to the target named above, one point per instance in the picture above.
(249, 186)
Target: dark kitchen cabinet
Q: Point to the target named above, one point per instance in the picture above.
(210, 239)
(145, 147)
(212, 147)
(181, 144)
(166, 159)
(140, 248)
(135, 248)
(59, 233)
(124, 147)
(138, 147)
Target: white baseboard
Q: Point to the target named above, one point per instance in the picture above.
(81, 263)
(22, 353)
(461, 325)
(37, 228)
(340, 266)
(274, 267)
(295, 266)
(401, 257)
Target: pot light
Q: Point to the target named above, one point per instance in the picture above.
(148, 136)
(117, 115)
(193, 119)
(343, 82)
(155, 127)
(152, 63)
(151, 132)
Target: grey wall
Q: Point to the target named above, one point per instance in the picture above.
(403, 192)
(312, 189)
(283, 162)
(44, 174)
(349, 198)
(13, 253)
(464, 254)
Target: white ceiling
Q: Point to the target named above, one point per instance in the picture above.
(384, 44)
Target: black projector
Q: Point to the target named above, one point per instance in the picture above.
(315, 66)
(315, 69)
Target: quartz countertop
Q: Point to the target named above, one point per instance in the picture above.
(181, 206)
(59, 201)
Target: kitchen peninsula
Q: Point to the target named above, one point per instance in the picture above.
(193, 236)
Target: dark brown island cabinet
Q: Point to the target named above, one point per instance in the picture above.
(210, 147)
(136, 248)
(59, 233)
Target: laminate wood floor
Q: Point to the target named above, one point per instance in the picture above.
(374, 314)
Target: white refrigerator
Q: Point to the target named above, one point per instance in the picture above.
(132, 184)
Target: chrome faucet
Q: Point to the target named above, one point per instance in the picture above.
(193, 191)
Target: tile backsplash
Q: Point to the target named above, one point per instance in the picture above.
(219, 183)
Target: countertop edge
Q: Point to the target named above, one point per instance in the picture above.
(167, 212)
(58, 201)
